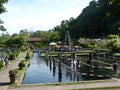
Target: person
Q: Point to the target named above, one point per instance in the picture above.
(6, 62)
(115, 65)
(2, 59)
(90, 58)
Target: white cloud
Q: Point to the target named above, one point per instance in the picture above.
(40, 15)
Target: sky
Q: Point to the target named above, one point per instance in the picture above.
(36, 15)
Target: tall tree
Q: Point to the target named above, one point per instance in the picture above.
(114, 8)
(2, 10)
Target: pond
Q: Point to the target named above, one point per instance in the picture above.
(43, 70)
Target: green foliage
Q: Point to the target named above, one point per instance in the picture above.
(16, 41)
(117, 54)
(102, 43)
(23, 48)
(114, 8)
(2, 8)
(42, 34)
(63, 28)
(21, 64)
(111, 36)
(38, 44)
(2, 28)
(27, 55)
(114, 44)
(54, 36)
(12, 56)
(88, 45)
(93, 22)
(13, 72)
(1, 65)
(24, 32)
(3, 39)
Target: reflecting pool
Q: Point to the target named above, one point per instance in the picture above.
(42, 70)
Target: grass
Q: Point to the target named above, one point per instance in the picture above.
(102, 88)
(117, 54)
(55, 54)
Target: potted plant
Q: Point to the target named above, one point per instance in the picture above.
(27, 55)
(13, 74)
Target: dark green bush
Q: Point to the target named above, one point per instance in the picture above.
(27, 55)
(12, 57)
(13, 72)
(21, 64)
(111, 36)
(17, 54)
(23, 49)
(1, 65)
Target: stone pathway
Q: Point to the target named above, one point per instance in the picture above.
(4, 74)
(71, 86)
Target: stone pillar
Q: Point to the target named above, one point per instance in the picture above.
(54, 68)
(59, 72)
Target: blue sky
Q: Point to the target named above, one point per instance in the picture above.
(39, 14)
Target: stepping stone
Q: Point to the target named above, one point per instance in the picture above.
(108, 68)
(92, 75)
(84, 74)
(100, 76)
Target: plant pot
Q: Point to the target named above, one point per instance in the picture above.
(13, 78)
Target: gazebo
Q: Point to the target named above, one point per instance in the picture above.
(53, 44)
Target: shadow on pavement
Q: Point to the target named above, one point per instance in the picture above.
(4, 83)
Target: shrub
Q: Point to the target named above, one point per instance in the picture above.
(111, 36)
(17, 54)
(13, 72)
(21, 65)
(23, 48)
(114, 45)
(12, 57)
(1, 65)
(27, 55)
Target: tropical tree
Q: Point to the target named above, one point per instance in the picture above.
(2, 10)
(4, 38)
(24, 32)
(114, 45)
(114, 8)
(16, 41)
(54, 36)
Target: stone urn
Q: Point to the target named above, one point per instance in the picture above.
(13, 75)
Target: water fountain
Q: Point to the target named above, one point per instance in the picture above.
(54, 71)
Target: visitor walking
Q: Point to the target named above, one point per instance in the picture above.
(115, 66)
(2, 59)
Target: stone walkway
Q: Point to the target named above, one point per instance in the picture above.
(4, 74)
(4, 82)
(71, 86)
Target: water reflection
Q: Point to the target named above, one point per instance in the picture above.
(48, 71)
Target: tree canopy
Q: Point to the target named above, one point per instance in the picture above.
(2, 10)
(93, 22)
(114, 8)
